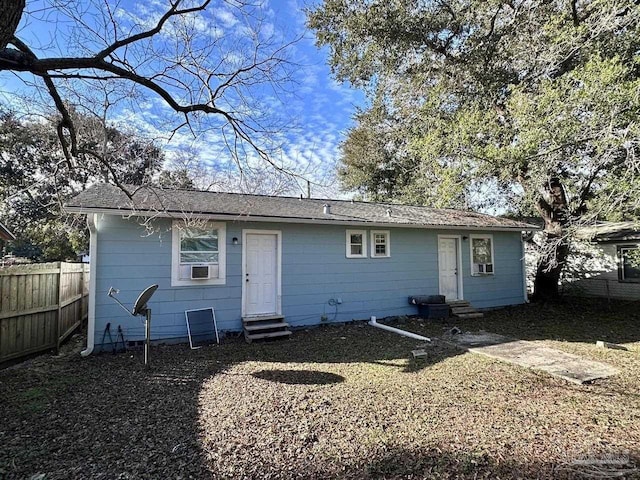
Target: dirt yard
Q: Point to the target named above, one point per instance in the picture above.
(332, 402)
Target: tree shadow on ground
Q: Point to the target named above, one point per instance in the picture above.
(107, 417)
(342, 343)
(437, 462)
(571, 319)
(299, 377)
(102, 417)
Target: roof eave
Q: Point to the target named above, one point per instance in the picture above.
(281, 219)
(6, 234)
(627, 238)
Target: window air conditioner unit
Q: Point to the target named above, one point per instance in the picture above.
(199, 272)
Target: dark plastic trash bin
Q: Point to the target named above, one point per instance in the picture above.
(433, 310)
(422, 299)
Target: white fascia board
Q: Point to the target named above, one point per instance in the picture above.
(276, 219)
(7, 232)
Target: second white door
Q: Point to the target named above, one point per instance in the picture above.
(448, 267)
(261, 274)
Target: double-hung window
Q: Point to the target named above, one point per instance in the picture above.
(629, 263)
(356, 243)
(198, 254)
(380, 244)
(481, 255)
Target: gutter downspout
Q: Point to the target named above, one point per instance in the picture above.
(92, 220)
(415, 336)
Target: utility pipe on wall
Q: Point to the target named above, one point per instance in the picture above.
(404, 333)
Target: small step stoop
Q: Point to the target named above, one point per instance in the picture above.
(265, 327)
(463, 309)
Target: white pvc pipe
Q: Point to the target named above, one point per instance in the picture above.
(92, 220)
(404, 333)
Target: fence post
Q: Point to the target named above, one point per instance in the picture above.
(34, 324)
(59, 315)
(81, 310)
(86, 272)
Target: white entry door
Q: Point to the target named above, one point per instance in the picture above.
(260, 281)
(448, 267)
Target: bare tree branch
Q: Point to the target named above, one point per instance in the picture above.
(193, 71)
(65, 122)
(173, 11)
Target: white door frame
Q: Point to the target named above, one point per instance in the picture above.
(278, 234)
(459, 274)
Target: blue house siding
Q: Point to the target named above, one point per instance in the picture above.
(506, 286)
(314, 270)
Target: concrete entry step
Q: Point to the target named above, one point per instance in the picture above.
(262, 327)
(250, 337)
(458, 310)
(261, 318)
(458, 303)
(265, 326)
(464, 310)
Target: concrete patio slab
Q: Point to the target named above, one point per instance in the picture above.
(531, 355)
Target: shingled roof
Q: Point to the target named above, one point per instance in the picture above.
(146, 200)
(611, 232)
(5, 234)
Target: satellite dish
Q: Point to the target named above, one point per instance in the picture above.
(140, 307)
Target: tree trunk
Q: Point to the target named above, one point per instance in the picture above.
(554, 250)
(10, 15)
(552, 260)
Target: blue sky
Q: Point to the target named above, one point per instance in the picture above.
(310, 110)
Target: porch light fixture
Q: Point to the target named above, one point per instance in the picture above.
(235, 240)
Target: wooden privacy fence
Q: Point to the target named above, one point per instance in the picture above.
(40, 306)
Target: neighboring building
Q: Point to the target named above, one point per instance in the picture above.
(606, 262)
(5, 234)
(309, 260)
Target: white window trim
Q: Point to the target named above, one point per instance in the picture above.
(221, 279)
(493, 256)
(373, 243)
(364, 243)
(622, 249)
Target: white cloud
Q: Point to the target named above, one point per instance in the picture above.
(314, 109)
(227, 17)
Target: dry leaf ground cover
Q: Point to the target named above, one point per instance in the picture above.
(332, 402)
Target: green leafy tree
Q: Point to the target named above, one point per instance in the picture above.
(513, 104)
(33, 186)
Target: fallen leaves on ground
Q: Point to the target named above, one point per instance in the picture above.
(333, 402)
